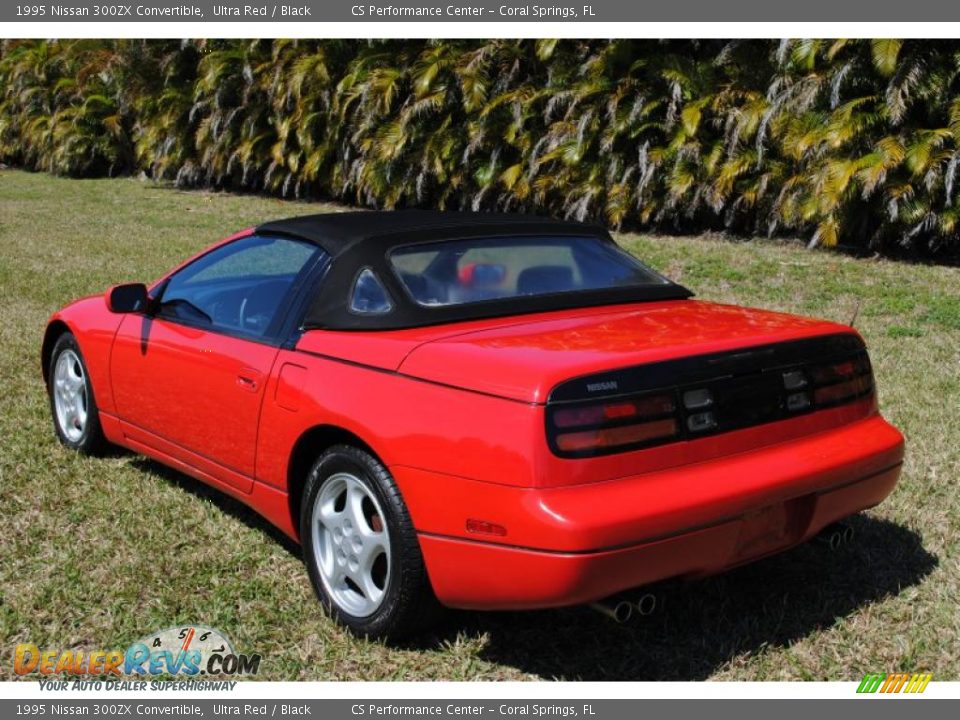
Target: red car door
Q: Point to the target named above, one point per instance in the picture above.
(188, 380)
(195, 389)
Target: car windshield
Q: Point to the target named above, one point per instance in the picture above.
(484, 269)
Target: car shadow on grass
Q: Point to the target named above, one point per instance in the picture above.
(701, 625)
(224, 502)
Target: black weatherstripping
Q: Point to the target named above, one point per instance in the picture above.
(747, 388)
(356, 240)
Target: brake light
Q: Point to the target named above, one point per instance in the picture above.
(828, 384)
(614, 437)
(835, 372)
(617, 424)
(597, 414)
(840, 391)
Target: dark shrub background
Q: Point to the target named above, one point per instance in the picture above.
(851, 142)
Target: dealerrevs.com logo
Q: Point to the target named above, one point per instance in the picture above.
(190, 650)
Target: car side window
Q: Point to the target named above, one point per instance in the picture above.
(368, 296)
(239, 288)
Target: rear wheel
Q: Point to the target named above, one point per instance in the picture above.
(360, 548)
(72, 403)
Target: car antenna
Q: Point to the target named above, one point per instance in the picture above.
(856, 312)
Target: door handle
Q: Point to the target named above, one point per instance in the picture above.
(249, 380)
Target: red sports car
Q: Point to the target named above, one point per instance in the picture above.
(476, 410)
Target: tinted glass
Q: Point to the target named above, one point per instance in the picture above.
(239, 287)
(466, 271)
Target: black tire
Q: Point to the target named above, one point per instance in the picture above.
(91, 440)
(408, 605)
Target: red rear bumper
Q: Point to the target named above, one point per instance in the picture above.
(566, 546)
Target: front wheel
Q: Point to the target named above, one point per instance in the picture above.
(360, 547)
(72, 403)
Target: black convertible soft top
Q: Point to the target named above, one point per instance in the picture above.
(358, 240)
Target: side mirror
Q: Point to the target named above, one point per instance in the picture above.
(128, 298)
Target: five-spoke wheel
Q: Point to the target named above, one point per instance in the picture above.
(75, 415)
(360, 546)
(70, 395)
(351, 544)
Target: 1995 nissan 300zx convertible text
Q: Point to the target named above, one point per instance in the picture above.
(476, 410)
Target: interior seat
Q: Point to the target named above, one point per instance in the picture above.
(544, 279)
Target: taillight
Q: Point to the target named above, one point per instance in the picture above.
(708, 399)
(615, 425)
(828, 384)
(613, 411)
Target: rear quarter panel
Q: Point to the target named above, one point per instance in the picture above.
(405, 421)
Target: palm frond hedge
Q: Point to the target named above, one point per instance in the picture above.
(839, 141)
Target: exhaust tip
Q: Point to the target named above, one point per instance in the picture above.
(836, 540)
(623, 611)
(848, 534)
(836, 536)
(647, 604)
(619, 611)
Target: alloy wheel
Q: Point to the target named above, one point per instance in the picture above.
(351, 544)
(70, 395)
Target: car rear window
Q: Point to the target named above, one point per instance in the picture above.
(483, 269)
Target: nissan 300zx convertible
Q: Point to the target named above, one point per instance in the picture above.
(474, 410)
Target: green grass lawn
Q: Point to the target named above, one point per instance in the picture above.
(95, 553)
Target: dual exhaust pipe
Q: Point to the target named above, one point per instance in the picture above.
(622, 610)
(836, 536)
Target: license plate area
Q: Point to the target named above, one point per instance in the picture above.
(773, 527)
